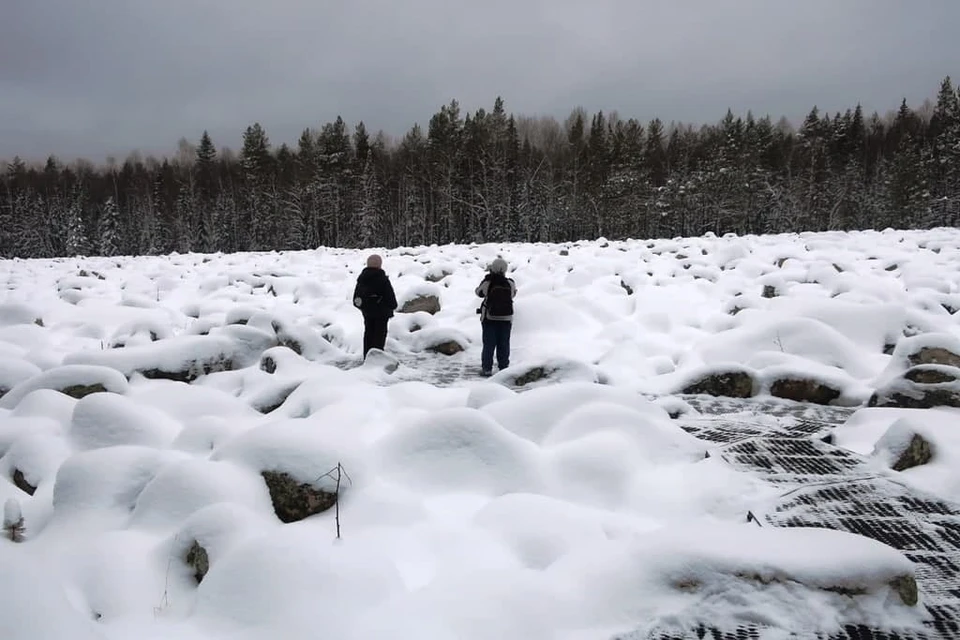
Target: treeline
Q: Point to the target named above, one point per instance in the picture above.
(491, 176)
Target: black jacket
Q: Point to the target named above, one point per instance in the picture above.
(375, 293)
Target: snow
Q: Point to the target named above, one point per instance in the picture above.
(555, 500)
(61, 378)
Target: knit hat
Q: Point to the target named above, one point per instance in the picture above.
(498, 266)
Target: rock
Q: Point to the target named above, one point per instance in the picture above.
(564, 252)
(804, 390)
(769, 291)
(428, 303)
(195, 369)
(918, 452)
(934, 355)
(21, 483)
(905, 394)
(198, 560)
(447, 348)
(82, 390)
(906, 587)
(293, 500)
(268, 364)
(932, 374)
(377, 359)
(729, 384)
(532, 375)
(626, 288)
(437, 275)
(273, 399)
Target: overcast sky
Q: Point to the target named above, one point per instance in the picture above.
(106, 77)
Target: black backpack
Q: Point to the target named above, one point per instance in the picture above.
(499, 297)
(367, 300)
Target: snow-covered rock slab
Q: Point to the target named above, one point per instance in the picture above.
(183, 359)
(74, 380)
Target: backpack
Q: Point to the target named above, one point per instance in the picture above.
(499, 297)
(366, 299)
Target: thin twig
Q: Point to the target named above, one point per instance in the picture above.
(340, 471)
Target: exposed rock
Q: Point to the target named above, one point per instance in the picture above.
(769, 291)
(447, 347)
(533, 375)
(626, 288)
(729, 384)
(892, 267)
(377, 359)
(82, 390)
(21, 483)
(804, 390)
(888, 348)
(932, 374)
(293, 500)
(268, 364)
(428, 303)
(274, 399)
(564, 252)
(198, 560)
(934, 355)
(918, 452)
(437, 276)
(196, 369)
(906, 588)
(911, 395)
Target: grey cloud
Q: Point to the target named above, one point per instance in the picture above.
(92, 79)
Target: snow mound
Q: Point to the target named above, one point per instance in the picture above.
(13, 313)
(182, 488)
(104, 420)
(534, 413)
(13, 371)
(295, 447)
(106, 479)
(74, 380)
(24, 615)
(460, 450)
(300, 582)
(183, 358)
(794, 578)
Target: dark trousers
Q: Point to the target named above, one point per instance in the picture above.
(496, 338)
(374, 333)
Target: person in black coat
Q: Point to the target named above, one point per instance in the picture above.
(375, 298)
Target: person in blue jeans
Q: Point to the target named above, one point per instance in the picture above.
(496, 316)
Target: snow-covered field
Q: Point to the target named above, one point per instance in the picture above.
(557, 500)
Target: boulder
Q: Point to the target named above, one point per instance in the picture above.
(21, 483)
(273, 398)
(769, 291)
(377, 359)
(932, 374)
(728, 384)
(551, 371)
(447, 347)
(921, 387)
(79, 391)
(804, 390)
(198, 560)
(427, 303)
(918, 452)
(934, 355)
(293, 500)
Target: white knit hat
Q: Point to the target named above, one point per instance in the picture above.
(498, 266)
